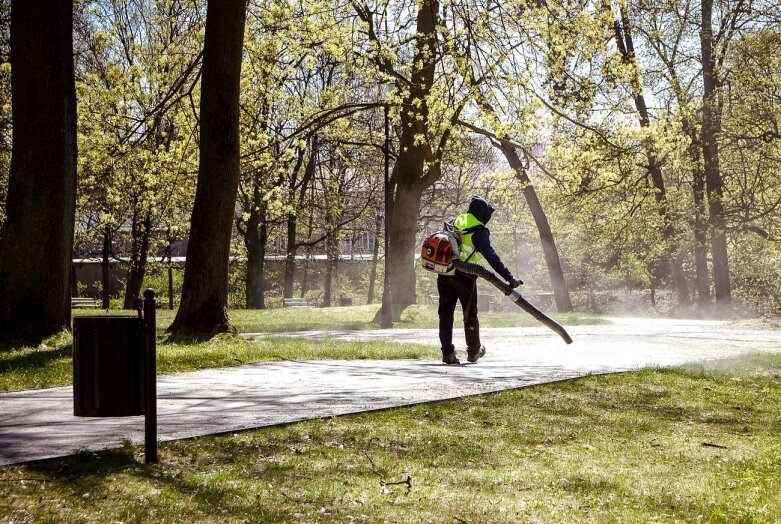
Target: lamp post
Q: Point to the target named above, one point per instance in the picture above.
(386, 317)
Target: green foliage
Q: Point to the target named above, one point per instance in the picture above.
(757, 276)
(630, 272)
(551, 80)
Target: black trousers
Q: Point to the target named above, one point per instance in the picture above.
(452, 289)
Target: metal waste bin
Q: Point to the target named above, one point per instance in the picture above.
(108, 366)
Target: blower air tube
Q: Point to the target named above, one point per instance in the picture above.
(477, 270)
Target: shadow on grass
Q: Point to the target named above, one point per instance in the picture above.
(35, 359)
(193, 339)
(86, 471)
(14, 344)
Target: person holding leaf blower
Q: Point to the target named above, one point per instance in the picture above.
(460, 287)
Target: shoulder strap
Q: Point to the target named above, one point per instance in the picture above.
(472, 229)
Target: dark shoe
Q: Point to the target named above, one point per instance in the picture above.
(449, 357)
(474, 356)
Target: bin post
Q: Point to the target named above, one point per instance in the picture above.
(150, 418)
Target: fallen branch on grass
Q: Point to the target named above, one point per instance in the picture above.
(712, 445)
(407, 482)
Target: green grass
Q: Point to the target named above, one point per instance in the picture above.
(685, 445)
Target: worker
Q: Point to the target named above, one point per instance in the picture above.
(475, 242)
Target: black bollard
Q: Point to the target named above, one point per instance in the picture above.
(150, 373)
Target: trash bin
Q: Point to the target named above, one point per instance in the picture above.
(108, 366)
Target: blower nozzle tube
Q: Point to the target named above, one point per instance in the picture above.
(477, 270)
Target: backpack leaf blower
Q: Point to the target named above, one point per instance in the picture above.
(440, 254)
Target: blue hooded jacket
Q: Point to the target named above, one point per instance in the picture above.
(481, 238)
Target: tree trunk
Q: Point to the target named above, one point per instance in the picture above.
(670, 262)
(170, 284)
(700, 224)
(711, 129)
(139, 251)
(290, 256)
(700, 241)
(549, 250)
(204, 305)
(105, 283)
(36, 242)
(409, 169)
(255, 241)
(292, 218)
(695, 151)
(375, 259)
(256, 272)
(332, 259)
(402, 247)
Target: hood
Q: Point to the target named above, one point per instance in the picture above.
(481, 209)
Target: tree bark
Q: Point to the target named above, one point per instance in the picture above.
(701, 240)
(290, 256)
(292, 218)
(332, 259)
(670, 262)
(700, 222)
(170, 278)
(139, 252)
(711, 129)
(204, 305)
(375, 258)
(36, 242)
(255, 241)
(549, 250)
(402, 247)
(409, 171)
(105, 283)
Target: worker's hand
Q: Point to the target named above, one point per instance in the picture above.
(515, 282)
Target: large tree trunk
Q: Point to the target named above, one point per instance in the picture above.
(711, 129)
(204, 305)
(402, 247)
(409, 170)
(139, 251)
(670, 262)
(549, 250)
(36, 243)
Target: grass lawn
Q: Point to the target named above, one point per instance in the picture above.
(51, 363)
(694, 444)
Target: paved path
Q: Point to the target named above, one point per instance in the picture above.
(40, 423)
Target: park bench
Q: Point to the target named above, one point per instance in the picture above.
(295, 302)
(84, 302)
(434, 299)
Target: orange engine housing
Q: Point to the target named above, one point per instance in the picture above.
(438, 252)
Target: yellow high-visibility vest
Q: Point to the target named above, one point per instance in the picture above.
(468, 224)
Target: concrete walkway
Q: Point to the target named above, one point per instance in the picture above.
(40, 424)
